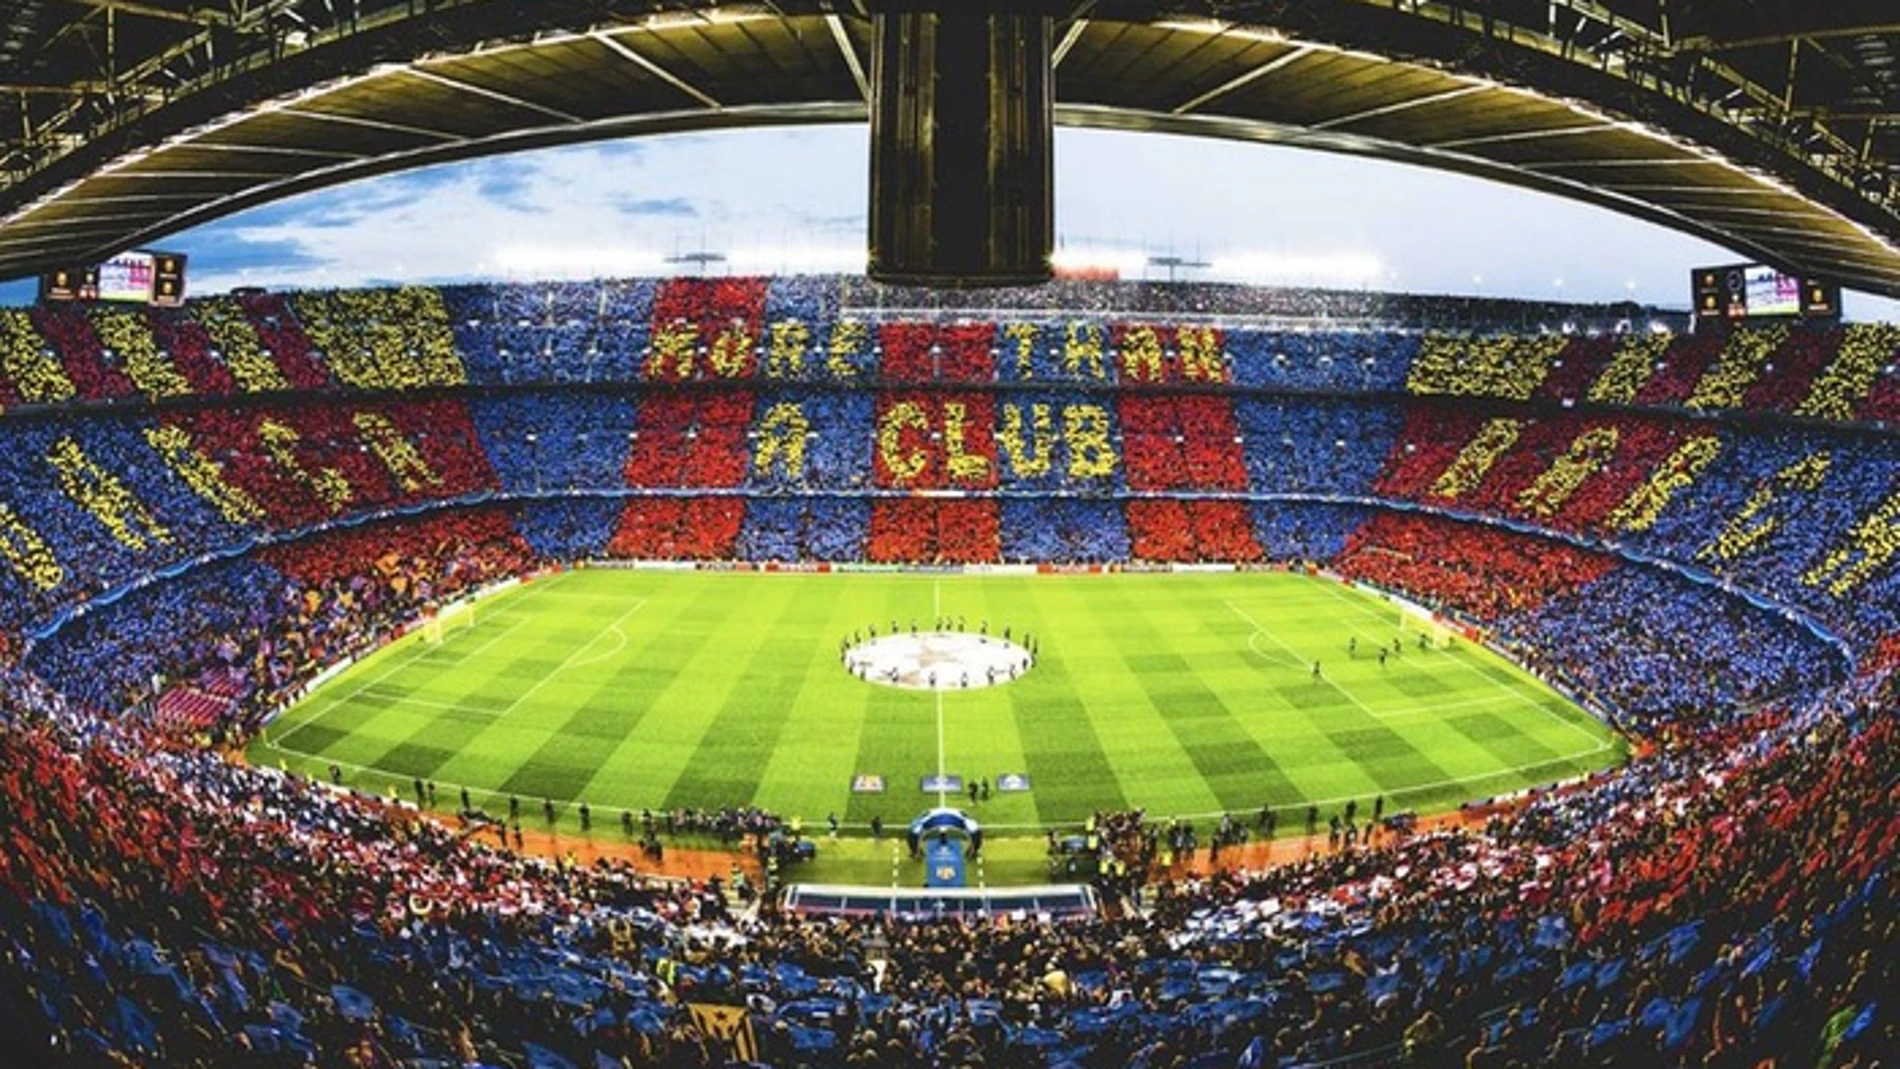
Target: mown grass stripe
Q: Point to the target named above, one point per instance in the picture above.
(1234, 765)
(898, 739)
(730, 760)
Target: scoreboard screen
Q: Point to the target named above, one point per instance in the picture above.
(126, 277)
(140, 276)
(1757, 291)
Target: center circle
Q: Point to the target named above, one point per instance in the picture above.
(938, 660)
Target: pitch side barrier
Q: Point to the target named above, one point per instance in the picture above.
(1053, 902)
(61, 617)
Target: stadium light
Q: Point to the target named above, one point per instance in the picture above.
(1122, 261)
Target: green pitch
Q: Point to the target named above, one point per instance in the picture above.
(1188, 695)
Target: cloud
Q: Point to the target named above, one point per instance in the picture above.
(226, 253)
(620, 205)
(678, 207)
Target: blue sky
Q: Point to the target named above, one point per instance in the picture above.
(780, 199)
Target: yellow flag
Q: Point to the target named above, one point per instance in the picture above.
(729, 1025)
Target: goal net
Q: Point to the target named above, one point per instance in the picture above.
(438, 627)
(1417, 622)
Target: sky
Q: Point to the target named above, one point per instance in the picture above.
(794, 198)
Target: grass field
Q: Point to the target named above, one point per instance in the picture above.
(1185, 694)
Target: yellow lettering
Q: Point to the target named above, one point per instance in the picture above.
(1082, 350)
(36, 373)
(1736, 369)
(1870, 545)
(328, 484)
(397, 453)
(202, 474)
(1475, 459)
(1586, 456)
(1629, 369)
(904, 465)
(964, 466)
(1201, 357)
(103, 495)
(1839, 390)
(1028, 458)
(672, 352)
(131, 340)
(730, 350)
(1470, 366)
(1746, 531)
(237, 344)
(1676, 474)
(847, 339)
(1022, 341)
(1085, 430)
(27, 552)
(785, 356)
(1141, 355)
(782, 436)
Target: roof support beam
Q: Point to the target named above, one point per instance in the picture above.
(1283, 60)
(492, 94)
(1403, 105)
(131, 198)
(272, 150)
(1637, 161)
(69, 222)
(10, 240)
(372, 124)
(77, 88)
(203, 17)
(1713, 191)
(1710, 44)
(621, 49)
(108, 176)
(1069, 38)
(850, 53)
(1522, 135)
(1728, 209)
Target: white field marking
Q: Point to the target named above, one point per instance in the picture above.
(1259, 630)
(1409, 711)
(621, 644)
(571, 660)
(936, 610)
(422, 650)
(394, 776)
(489, 792)
(1601, 744)
(400, 701)
(942, 795)
(1410, 788)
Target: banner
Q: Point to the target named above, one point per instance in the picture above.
(943, 863)
(730, 1025)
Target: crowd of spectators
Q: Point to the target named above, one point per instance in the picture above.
(1719, 902)
(277, 616)
(1714, 902)
(1298, 419)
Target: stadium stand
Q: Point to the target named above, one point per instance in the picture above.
(1695, 534)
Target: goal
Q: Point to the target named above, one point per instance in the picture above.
(1417, 620)
(438, 626)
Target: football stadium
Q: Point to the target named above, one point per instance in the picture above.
(979, 653)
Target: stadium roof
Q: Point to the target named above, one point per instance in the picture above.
(1771, 127)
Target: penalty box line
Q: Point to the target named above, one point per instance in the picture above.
(421, 652)
(1598, 745)
(1299, 659)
